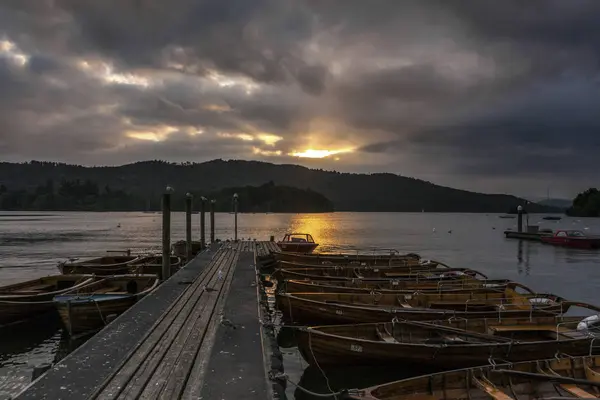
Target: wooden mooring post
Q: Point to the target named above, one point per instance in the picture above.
(235, 212)
(188, 227)
(166, 235)
(212, 221)
(202, 222)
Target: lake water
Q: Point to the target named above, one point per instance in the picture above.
(31, 245)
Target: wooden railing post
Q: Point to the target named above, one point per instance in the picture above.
(188, 227)
(202, 222)
(212, 221)
(166, 234)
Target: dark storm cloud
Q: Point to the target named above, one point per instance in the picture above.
(451, 88)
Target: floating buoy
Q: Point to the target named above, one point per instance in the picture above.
(434, 229)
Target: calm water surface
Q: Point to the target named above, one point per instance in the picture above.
(31, 245)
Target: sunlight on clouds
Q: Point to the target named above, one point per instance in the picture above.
(225, 81)
(268, 139)
(156, 135)
(267, 153)
(10, 50)
(106, 72)
(217, 108)
(312, 153)
(241, 136)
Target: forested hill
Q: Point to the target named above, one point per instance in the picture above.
(348, 192)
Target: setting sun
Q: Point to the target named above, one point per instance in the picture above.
(312, 153)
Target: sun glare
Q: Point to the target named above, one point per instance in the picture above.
(312, 153)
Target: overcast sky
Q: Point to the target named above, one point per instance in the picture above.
(495, 96)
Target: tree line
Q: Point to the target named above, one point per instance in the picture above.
(586, 204)
(87, 195)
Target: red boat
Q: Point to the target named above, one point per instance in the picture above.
(297, 243)
(573, 238)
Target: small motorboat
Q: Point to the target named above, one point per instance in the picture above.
(297, 243)
(572, 238)
(95, 305)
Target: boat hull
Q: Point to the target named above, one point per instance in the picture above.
(365, 286)
(343, 259)
(302, 248)
(83, 315)
(29, 299)
(97, 304)
(321, 348)
(110, 265)
(575, 243)
(306, 311)
(494, 381)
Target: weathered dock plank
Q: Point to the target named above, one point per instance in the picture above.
(232, 371)
(80, 374)
(178, 349)
(131, 379)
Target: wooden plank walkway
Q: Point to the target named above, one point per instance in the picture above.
(171, 359)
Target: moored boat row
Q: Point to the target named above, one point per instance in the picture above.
(373, 310)
(87, 294)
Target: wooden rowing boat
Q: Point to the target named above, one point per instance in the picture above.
(445, 344)
(381, 273)
(555, 378)
(93, 306)
(342, 259)
(393, 286)
(108, 265)
(152, 265)
(353, 308)
(179, 248)
(411, 264)
(122, 265)
(28, 299)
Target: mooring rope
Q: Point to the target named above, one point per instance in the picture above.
(317, 363)
(341, 394)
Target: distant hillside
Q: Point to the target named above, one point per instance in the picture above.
(347, 192)
(558, 203)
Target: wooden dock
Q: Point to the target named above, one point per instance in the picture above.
(535, 237)
(197, 336)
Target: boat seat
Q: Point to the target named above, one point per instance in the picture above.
(573, 334)
(406, 305)
(504, 328)
(37, 288)
(491, 390)
(577, 391)
(591, 374)
(107, 289)
(385, 336)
